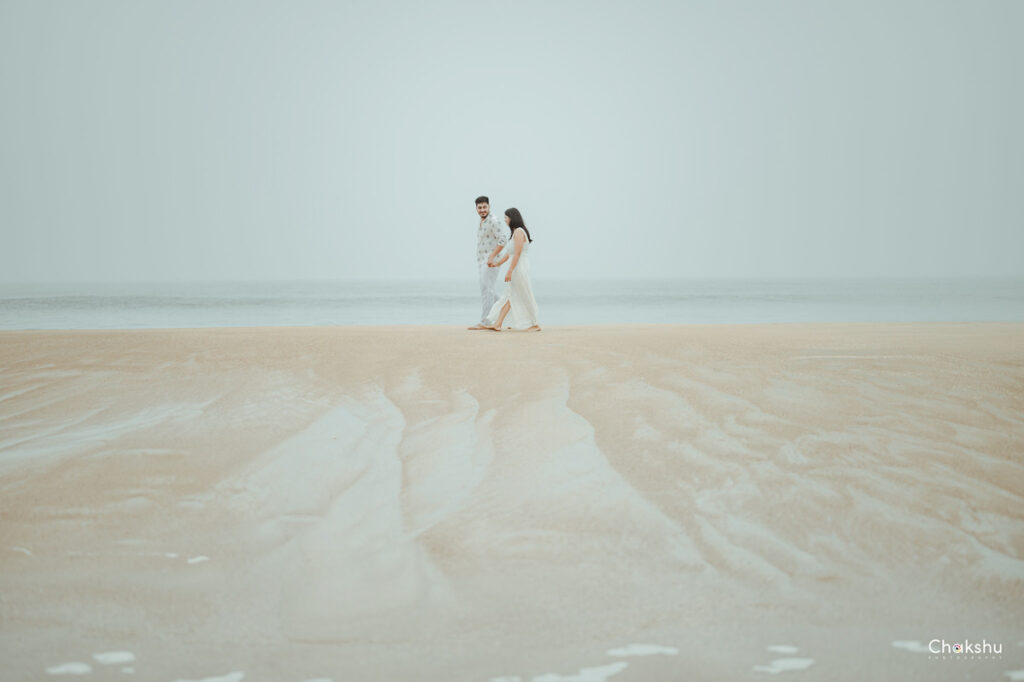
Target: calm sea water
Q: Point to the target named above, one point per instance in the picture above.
(217, 304)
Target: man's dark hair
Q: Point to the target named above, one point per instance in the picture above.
(483, 200)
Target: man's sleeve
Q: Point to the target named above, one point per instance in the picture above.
(499, 233)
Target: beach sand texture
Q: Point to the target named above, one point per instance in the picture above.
(703, 502)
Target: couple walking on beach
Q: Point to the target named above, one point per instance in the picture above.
(494, 247)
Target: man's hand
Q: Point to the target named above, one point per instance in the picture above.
(491, 264)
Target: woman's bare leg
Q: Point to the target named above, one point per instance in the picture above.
(501, 316)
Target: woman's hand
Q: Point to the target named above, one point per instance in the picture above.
(491, 264)
(508, 275)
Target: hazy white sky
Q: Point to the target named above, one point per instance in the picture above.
(266, 140)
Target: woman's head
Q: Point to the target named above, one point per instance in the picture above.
(514, 219)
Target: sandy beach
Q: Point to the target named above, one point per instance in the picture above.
(661, 502)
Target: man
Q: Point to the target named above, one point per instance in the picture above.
(491, 236)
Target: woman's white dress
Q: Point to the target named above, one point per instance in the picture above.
(518, 292)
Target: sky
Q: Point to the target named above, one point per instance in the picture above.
(232, 140)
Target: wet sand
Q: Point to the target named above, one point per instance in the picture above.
(663, 502)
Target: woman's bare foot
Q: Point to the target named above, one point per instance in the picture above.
(493, 328)
(477, 326)
(534, 328)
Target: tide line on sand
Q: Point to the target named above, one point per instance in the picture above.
(415, 485)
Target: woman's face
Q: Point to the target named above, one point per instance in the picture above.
(508, 221)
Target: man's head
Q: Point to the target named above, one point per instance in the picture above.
(483, 206)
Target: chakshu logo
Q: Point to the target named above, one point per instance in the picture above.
(966, 648)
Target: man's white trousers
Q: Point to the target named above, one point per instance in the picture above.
(488, 289)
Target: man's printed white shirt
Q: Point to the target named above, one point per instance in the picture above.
(491, 234)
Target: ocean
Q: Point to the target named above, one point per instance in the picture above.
(561, 302)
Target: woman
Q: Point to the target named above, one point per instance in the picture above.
(517, 301)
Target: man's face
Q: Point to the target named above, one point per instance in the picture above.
(483, 210)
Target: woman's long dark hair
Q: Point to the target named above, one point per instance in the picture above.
(516, 220)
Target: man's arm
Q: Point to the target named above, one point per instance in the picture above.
(490, 259)
(499, 233)
(500, 237)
